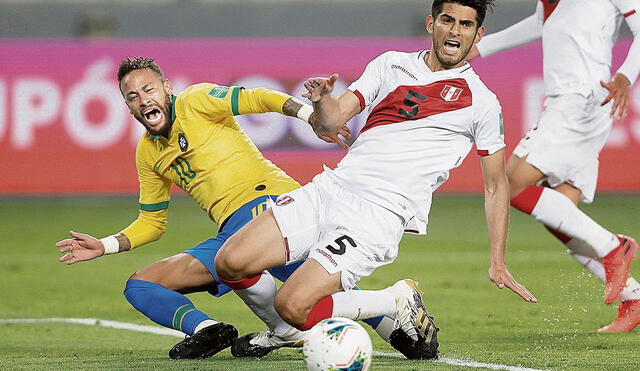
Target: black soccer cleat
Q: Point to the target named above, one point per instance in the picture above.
(426, 347)
(205, 343)
(242, 347)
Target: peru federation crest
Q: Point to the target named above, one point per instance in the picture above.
(182, 142)
(451, 93)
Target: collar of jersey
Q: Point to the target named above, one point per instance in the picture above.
(173, 116)
(460, 69)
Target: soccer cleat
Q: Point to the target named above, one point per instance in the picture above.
(627, 319)
(616, 267)
(205, 343)
(259, 344)
(416, 335)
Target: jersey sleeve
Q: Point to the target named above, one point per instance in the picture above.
(630, 11)
(366, 87)
(523, 32)
(155, 193)
(214, 101)
(488, 131)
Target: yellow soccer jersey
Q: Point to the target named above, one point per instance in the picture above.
(208, 155)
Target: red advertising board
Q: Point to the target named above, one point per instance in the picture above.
(64, 128)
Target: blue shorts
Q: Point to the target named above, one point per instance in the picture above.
(206, 251)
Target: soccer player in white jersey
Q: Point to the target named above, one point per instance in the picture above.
(555, 166)
(426, 111)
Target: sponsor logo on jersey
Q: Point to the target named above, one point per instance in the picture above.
(395, 66)
(182, 142)
(328, 256)
(284, 200)
(219, 92)
(450, 93)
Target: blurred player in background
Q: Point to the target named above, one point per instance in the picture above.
(193, 141)
(555, 166)
(348, 221)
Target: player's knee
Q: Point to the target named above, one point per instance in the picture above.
(228, 265)
(293, 311)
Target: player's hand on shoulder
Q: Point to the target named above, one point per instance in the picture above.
(81, 247)
(500, 275)
(317, 87)
(618, 89)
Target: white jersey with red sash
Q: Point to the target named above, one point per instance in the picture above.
(421, 124)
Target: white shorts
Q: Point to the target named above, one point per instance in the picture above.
(567, 140)
(339, 230)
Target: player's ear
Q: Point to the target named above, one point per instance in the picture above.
(167, 87)
(429, 23)
(479, 34)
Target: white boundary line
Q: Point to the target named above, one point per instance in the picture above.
(167, 331)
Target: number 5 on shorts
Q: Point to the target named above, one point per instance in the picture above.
(342, 248)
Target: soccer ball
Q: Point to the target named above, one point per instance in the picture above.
(337, 344)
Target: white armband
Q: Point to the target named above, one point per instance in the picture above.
(304, 112)
(111, 245)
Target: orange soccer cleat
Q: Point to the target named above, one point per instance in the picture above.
(627, 319)
(616, 267)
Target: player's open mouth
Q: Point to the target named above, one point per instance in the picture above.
(451, 47)
(153, 116)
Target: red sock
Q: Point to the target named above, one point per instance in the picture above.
(526, 200)
(242, 284)
(322, 310)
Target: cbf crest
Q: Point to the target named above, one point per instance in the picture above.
(451, 93)
(182, 142)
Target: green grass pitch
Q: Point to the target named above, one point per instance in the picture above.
(478, 321)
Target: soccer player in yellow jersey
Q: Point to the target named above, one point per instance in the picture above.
(192, 140)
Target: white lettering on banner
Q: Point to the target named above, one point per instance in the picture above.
(35, 104)
(266, 129)
(304, 133)
(96, 86)
(3, 108)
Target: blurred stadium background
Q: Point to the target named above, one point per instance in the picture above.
(65, 132)
(59, 99)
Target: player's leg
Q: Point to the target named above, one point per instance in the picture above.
(628, 316)
(259, 344)
(559, 213)
(157, 291)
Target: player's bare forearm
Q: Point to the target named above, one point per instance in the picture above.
(496, 206)
(291, 107)
(123, 242)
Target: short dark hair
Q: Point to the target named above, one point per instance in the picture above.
(129, 65)
(480, 6)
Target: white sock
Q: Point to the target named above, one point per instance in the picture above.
(203, 324)
(556, 211)
(631, 290)
(386, 327)
(363, 304)
(259, 298)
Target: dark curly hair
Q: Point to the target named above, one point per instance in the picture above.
(138, 63)
(481, 7)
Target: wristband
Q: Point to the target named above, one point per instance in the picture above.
(111, 245)
(305, 112)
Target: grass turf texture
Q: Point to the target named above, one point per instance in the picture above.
(477, 320)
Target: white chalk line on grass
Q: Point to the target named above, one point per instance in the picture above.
(167, 331)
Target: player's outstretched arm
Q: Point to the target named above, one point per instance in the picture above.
(83, 247)
(496, 206)
(330, 114)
